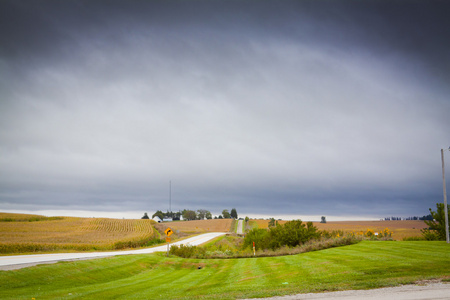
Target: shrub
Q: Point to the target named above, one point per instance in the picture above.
(332, 234)
(438, 224)
(291, 234)
(369, 233)
(386, 233)
(312, 245)
(431, 235)
(187, 251)
(257, 236)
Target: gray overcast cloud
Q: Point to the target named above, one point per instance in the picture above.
(273, 107)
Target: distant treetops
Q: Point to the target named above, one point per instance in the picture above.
(189, 215)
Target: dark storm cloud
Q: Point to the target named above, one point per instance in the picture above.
(292, 107)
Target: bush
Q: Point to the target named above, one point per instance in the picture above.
(187, 251)
(437, 226)
(331, 234)
(257, 236)
(291, 234)
(217, 251)
(431, 235)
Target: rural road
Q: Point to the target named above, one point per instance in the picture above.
(429, 291)
(23, 261)
(239, 227)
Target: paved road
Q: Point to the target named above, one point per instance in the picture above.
(22, 261)
(239, 227)
(430, 291)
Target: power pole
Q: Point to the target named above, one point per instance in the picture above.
(445, 196)
(170, 196)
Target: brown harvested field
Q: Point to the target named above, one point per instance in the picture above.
(260, 223)
(400, 229)
(214, 225)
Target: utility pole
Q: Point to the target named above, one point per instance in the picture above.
(445, 196)
(170, 196)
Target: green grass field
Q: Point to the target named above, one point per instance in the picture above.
(369, 264)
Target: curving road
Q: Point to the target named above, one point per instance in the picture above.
(23, 261)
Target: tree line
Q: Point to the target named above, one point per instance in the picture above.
(427, 217)
(189, 215)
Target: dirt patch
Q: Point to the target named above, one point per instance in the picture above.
(193, 265)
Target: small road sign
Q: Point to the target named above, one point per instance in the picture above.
(168, 231)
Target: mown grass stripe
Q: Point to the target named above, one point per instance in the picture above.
(361, 266)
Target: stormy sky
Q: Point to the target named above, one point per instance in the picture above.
(276, 108)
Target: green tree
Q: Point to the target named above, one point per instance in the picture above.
(145, 216)
(258, 236)
(189, 215)
(226, 214)
(201, 214)
(176, 216)
(158, 214)
(233, 213)
(438, 224)
(272, 222)
(324, 220)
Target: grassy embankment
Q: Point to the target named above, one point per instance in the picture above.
(369, 264)
(21, 233)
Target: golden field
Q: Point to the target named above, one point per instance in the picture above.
(200, 226)
(20, 233)
(30, 233)
(399, 229)
(5, 217)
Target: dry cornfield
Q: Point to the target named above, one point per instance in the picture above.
(30, 233)
(197, 226)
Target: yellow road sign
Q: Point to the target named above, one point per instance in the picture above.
(168, 239)
(168, 231)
